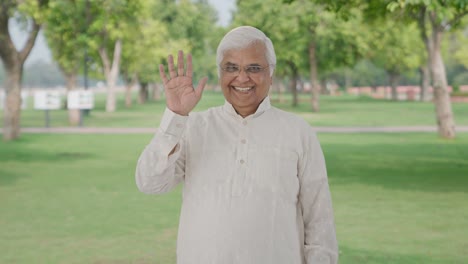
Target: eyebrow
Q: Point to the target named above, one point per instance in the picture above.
(234, 64)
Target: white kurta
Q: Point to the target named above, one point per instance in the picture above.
(255, 188)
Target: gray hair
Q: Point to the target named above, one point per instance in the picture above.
(242, 37)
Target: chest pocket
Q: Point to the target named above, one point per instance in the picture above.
(274, 169)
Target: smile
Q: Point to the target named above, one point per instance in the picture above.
(242, 89)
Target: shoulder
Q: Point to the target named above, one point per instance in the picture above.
(204, 117)
(290, 120)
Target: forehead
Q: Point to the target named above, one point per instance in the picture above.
(255, 53)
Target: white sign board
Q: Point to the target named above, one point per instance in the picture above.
(47, 100)
(24, 100)
(80, 99)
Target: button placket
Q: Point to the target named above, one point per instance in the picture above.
(241, 160)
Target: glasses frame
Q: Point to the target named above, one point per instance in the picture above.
(245, 69)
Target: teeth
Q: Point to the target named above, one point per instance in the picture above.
(243, 89)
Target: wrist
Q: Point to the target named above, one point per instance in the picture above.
(178, 112)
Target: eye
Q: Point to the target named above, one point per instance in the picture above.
(254, 69)
(231, 68)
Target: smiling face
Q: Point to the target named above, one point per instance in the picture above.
(244, 90)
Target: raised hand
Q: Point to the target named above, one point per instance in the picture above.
(181, 97)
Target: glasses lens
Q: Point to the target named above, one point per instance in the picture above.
(231, 68)
(254, 69)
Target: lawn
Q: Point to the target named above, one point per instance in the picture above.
(398, 198)
(335, 111)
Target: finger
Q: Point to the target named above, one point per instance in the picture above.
(162, 73)
(170, 64)
(189, 65)
(201, 87)
(180, 63)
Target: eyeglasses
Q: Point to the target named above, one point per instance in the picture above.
(234, 69)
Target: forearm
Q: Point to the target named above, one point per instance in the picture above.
(155, 172)
(320, 245)
(161, 164)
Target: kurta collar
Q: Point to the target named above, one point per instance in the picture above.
(264, 106)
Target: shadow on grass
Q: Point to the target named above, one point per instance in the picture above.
(421, 167)
(40, 156)
(9, 177)
(16, 156)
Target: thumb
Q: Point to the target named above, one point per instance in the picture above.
(201, 87)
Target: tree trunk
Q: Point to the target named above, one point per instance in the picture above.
(13, 61)
(323, 85)
(128, 90)
(425, 82)
(393, 79)
(348, 79)
(156, 92)
(111, 71)
(293, 89)
(12, 108)
(293, 82)
(73, 114)
(443, 105)
(143, 93)
(315, 89)
(277, 85)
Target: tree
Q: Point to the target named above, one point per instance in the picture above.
(396, 48)
(195, 22)
(276, 21)
(31, 13)
(163, 28)
(109, 23)
(306, 27)
(434, 19)
(140, 62)
(65, 31)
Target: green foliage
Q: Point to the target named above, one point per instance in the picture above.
(163, 28)
(194, 23)
(76, 27)
(66, 33)
(292, 27)
(276, 21)
(33, 9)
(396, 46)
(460, 41)
(444, 15)
(145, 45)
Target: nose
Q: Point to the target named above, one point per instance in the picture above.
(243, 76)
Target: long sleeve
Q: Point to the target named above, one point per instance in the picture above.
(158, 170)
(320, 244)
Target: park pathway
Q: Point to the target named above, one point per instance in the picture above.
(146, 130)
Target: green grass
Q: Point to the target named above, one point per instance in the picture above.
(398, 198)
(335, 111)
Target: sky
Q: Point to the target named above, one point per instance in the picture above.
(42, 52)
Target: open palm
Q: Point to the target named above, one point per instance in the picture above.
(181, 97)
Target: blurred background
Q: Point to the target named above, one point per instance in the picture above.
(384, 83)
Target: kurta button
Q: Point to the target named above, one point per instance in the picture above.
(179, 125)
(242, 161)
(243, 141)
(244, 123)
